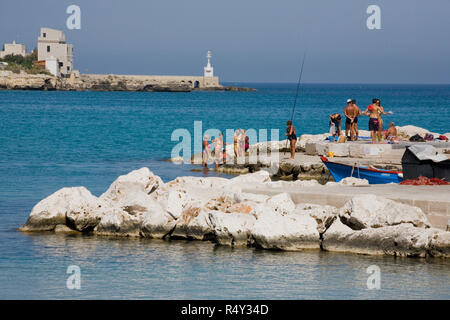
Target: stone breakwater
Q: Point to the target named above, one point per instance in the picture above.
(110, 82)
(214, 209)
(309, 147)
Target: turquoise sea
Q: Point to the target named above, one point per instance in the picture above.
(49, 140)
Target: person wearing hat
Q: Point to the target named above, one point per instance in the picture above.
(351, 113)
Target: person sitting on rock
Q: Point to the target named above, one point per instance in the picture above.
(391, 132)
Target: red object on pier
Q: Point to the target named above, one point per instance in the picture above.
(424, 181)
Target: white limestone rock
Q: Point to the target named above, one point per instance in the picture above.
(118, 222)
(157, 224)
(232, 229)
(324, 215)
(399, 240)
(410, 130)
(305, 183)
(291, 232)
(281, 204)
(183, 183)
(439, 243)
(133, 190)
(251, 178)
(249, 197)
(193, 224)
(352, 181)
(76, 205)
(370, 211)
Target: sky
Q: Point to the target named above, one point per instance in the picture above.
(250, 40)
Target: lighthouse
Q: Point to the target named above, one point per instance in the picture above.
(208, 71)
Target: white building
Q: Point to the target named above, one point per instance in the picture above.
(52, 65)
(52, 46)
(208, 71)
(13, 48)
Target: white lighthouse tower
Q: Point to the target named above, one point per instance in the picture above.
(208, 71)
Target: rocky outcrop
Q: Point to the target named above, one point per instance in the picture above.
(370, 211)
(400, 240)
(74, 207)
(140, 204)
(102, 82)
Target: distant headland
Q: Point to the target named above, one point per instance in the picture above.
(50, 67)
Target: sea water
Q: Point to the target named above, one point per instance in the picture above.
(50, 140)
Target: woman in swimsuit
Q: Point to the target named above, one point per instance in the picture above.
(292, 137)
(206, 151)
(218, 149)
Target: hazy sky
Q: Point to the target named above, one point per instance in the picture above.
(251, 40)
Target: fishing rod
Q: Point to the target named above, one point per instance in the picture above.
(297, 91)
(298, 85)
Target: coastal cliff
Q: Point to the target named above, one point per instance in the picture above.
(103, 82)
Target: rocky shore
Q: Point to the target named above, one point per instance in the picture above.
(214, 209)
(96, 82)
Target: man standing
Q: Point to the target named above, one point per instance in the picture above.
(374, 112)
(348, 111)
(351, 113)
(355, 121)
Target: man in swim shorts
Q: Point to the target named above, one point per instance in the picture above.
(374, 111)
(351, 113)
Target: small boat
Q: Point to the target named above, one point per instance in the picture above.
(340, 171)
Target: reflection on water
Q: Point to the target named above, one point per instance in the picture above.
(119, 268)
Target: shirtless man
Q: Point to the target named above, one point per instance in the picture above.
(373, 111)
(351, 113)
(355, 122)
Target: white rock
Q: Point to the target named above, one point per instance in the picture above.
(251, 178)
(182, 183)
(305, 183)
(352, 181)
(281, 204)
(81, 206)
(289, 232)
(193, 224)
(324, 215)
(439, 243)
(253, 197)
(399, 240)
(132, 188)
(410, 130)
(117, 222)
(158, 224)
(233, 229)
(370, 211)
